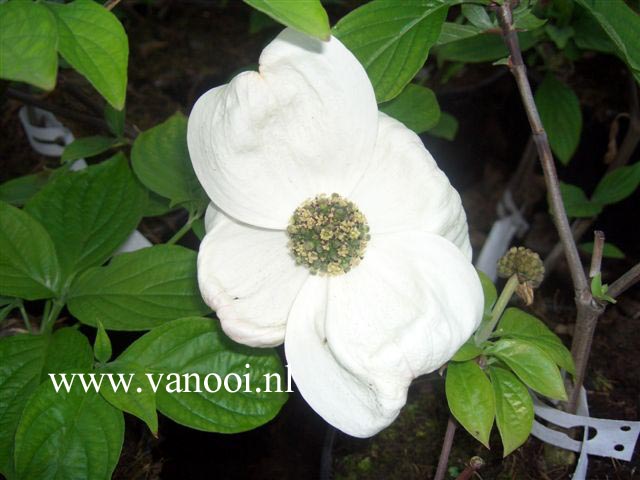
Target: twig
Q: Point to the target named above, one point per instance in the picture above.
(475, 464)
(579, 227)
(519, 71)
(625, 282)
(596, 256)
(632, 137)
(110, 4)
(588, 309)
(447, 443)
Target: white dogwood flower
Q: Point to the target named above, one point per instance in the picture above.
(332, 230)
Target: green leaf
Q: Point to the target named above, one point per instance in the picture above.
(392, 40)
(559, 35)
(489, 291)
(531, 364)
(477, 16)
(416, 107)
(94, 42)
(576, 203)
(28, 41)
(452, 32)
(197, 345)
(68, 435)
(102, 344)
(19, 190)
(599, 291)
(561, 117)
(447, 127)
(89, 213)
(198, 228)
(160, 159)
(87, 147)
(115, 120)
(518, 324)
(608, 251)
(26, 361)
(28, 263)
(526, 20)
(617, 185)
(157, 205)
(139, 400)
(468, 351)
(307, 17)
(514, 408)
(470, 399)
(139, 290)
(485, 47)
(621, 24)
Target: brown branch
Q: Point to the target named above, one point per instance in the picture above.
(447, 443)
(596, 256)
(625, 282)
(519, 71)
(588, 309)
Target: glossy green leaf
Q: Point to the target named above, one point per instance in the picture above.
(160, 159)
(452, 32)
(608, 251)
(392, 39)
(87, 147)
(576, 203)
(526, 20)
(489, 291)
(485, 47)
(89, 213)
(102, 344)
(28, 41)
(621, 24)
(29, 266)
(617, 185)
(139, 399)
(447, 127)
(531, 364)
(19, 190)
(157, 205)
(197, 345)
(514, 408)
(477, 16)
(561, 117)
(68, 435)
(139, 290)
(26, 361)
(94, 42)
(307, 17)
(416, 107)
(468, 351)
(470, 398)
(518, 324)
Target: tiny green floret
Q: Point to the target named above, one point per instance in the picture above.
(328, 235)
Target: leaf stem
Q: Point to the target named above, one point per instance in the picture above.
(51, 311)
(183, 230)
(25, 316)
(483, 334)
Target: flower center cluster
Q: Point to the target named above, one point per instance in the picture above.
(328, 235)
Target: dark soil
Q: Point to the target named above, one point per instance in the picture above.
(179, 49)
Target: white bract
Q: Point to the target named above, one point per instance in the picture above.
(307, 124)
